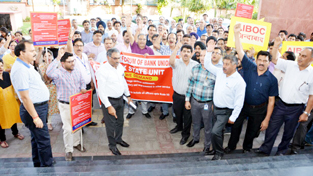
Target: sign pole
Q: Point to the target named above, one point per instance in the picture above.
(81, 140)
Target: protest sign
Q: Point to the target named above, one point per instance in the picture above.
(63, 31)
(244, 10)
(44, 28)
(295, 47)
(80, 107)
(253, 33)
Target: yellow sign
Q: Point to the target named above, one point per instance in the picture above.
(295, 47)
(141, 77)
(253, 33)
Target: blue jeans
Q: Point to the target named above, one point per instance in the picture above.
(309, 136)
(164, 107)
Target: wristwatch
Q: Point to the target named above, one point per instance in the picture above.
(308, 114)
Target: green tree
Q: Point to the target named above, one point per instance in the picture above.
(160, 4)
(55, 3)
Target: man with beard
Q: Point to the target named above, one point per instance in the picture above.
(186, 39)
(86, 33)
(199, 46)
(260, 94)
(117, 27)
(113, 35)
(95, 47)
(101, 27)
(125, 45)
(108, 44)
(110, 26)
(69, 81)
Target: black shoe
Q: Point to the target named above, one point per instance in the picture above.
(123, 144)
(228, 150)
(175, 130)
(174, 120)
(217, 157)
(209, 152)
(92, 124)
(192, 143)
(258, 151)
(129, 116)
(151, 108)
(147, 115)
(293, 152)
(183, 140)
(115, 151)
(247, 151)
(162, 116)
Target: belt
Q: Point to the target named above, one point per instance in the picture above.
(222, 108)
(41, 103)
(115, 98)
(256, 106)
(290, 105)
(64, 102)
(179, 94)
(201, 101)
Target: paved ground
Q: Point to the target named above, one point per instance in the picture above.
(145, 136)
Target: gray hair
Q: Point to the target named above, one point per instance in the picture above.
(311, 49)
(112, 50)
(140, 35)
(233, 59)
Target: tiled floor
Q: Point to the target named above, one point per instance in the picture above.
(145, 136)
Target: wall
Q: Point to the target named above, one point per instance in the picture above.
(292, 15)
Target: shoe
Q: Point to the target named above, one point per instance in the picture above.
(19, 136)
(247, 151)
(68, 156)
(151, 108)
(92, 124)
(79, 148)
(293, 152)
(209, 152)
(279, 154)
(175, 130)
(115, 151)
(217, 157)
(162, 116)
(192, 143)
(258, 151)
(228, 150)
(147, 115)
(123, 144)
(129, 116)
(183, 141)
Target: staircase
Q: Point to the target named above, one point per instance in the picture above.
(169, 164)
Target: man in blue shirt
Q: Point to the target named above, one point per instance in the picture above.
(201, 29)
(262, 87)
(86, 33)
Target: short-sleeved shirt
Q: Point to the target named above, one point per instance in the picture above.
(123, 48)
(25, 77)
(259, 88)
(92, 48)
(201, 32)
(135, 49)
(83, 67)
(86, 38)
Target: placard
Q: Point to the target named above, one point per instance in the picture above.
(63, 31)
(294, 46)
(244, 10)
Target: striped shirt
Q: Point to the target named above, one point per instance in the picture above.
(200, 84)
(67, 83)
(166, 50)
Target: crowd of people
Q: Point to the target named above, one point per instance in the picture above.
(216, 87)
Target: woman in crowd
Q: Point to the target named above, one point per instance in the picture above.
(19, 36)
(9, 58)
(2, 42)
(9, 108)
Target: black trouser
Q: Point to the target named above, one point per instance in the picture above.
(183, 116)
(299, 137)
(113, 126)
(40, 138)
(2, 132)
(256, 116)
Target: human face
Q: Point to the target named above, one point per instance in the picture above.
(304, 58)
(114, 60)
(142, 41)
(270, 49)
(262, 63)
(29, 55)
(2, 42)
(216, 55)
(160, 28)
(1, 68)
(78, 48)
(202, 56)
(161, 19)
(185, 54)
(3, 34)
(86, 26)
(225, 34)
(93, 23)
(201, 24)
(123, 21)
(197, 51)
(69, 64)
(12, 46)
(214, 34)
(173, 23)
(209, 29)
(203, 38)
(228, 67)
(180, 36)
(117, 27)
(291, 38)
(144, 20)
(220, 22)
(186, 41)
(215, 27)
(197, 25)
(282, 35)
(172, 39)
(221, 31)
(101, 28)
(179, 27)
(19, 36)
(30, 34)
(191, 21)
(48, 57)
(108, 44)
(189, 29)
(97, 38)
(97, 19)
(221, 44)
(74, 23)
(138, 20)
(114, 38)
(113, 21)
(193, 40)
(152, 31)
(109, 24)
(164, 37)
(76, 36)
(150, 22)
(126, 38)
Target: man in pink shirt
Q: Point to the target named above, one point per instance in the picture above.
(95, 47)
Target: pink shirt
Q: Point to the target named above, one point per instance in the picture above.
(92, 48)
(123, 48)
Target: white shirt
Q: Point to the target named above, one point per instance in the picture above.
(83, 67)
(279, 76)
(111, 83)
(102, 57)
(297, 85)
(79, 29)
(144, 30)
(229, 92)
(155, 51)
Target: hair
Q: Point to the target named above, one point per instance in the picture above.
(1, 39)
(124, 32)
(1, 61)
(303, 34)
(145, 17)
(284, 31)
(152, 25)
(186, 35)
(220, 28)
(48, 51)
(155, 35)
(65, 56)
(116, 22)
(140, 35)
(311, 49)
(113, 19)
(21, 47)
(11, 42)
(99, 18)
(149, 20)
(292, 35)
(111, 51)
(78, 40)
(5, 30)
(92, 19)
(225, 32)
(200, 44)
(221, 39)
(138, 15)
(180, 19)
(265, 53)
(18, 32)
(187, 47)
(209, 25)
(211, 38)
(219, 48)
(170, 34)
(205, 14)
(107, 38)
(270, 44)
(178, 31)
(291, 55)
(216, 32)
(233, 59)
(85, 21)
(29, 30)
(300, 38)
(77, 32)
(97, 32)
(73, 19)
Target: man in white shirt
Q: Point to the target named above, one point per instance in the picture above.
(296, 90)
(139, 24)
(102, 57)
(109, 26)
(75, 27)
(113, 86)
(228, 98)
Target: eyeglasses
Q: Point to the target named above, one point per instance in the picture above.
(79, 46)
(116, 58)
(216, 53)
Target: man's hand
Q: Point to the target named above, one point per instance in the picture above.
(129, 100)
(303, 118)
(83, 91)
(230, 122)
(277, 42)
(264, 125)
(237, 28)
(146, 54)
(91, 55)
(38, 122)
(9, 37)
(210, 46)
(128, 21)
(178, 45)
(251, 52)
(187, 105)
(112, 111)
(71, 33)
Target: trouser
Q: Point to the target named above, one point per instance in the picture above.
(309, 136)
(220, 118)
(113, 126)
(2, 132)
(164, 107)
(144, 107)
(299, 137)
(183, 116)
(40, 138)
(256, 116)
(70, 139)
(202, 112)
(281, 114)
